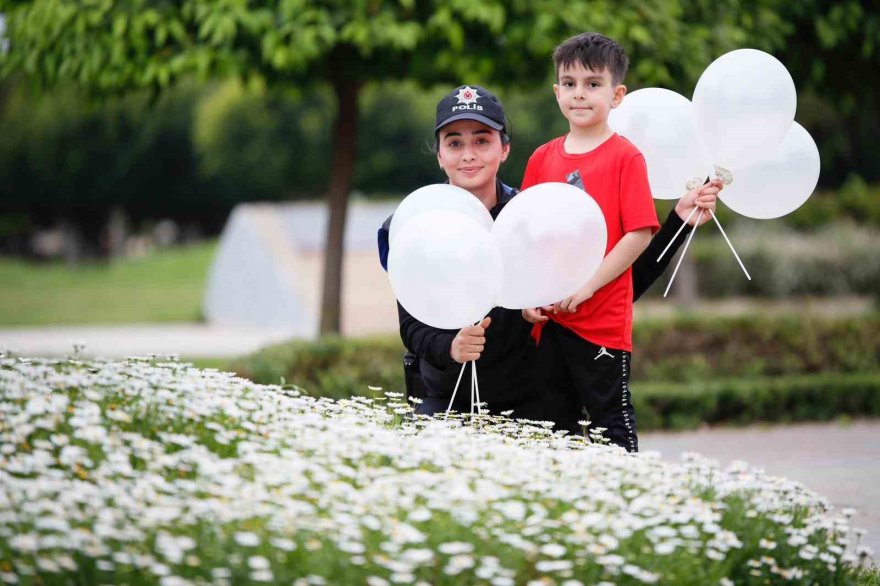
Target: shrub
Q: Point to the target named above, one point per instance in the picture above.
(821, 397)
(685, 371)
(685, 349)
(329, 367)
(692, 349)
(839, 259)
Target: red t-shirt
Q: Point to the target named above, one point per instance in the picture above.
(616, 176)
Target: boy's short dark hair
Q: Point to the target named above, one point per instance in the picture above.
(593, 51)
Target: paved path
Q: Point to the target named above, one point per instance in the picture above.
(839, 462)
(186, 340)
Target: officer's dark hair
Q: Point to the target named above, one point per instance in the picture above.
(592, 51)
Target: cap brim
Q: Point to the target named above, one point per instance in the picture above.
(470, 116)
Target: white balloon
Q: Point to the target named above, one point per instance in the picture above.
(445, 269)
(660, 123)
(778, 184)
(440, 196)
(744, 104)
(552, 238)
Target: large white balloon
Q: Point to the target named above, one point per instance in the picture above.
(445, 269)
(660, 123)
(552, 238)
(778, 184)
(744, 104)
(440, 196)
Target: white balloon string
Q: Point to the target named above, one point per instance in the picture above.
(679, 232)
(683, 252)
(732, 249)
(477, 389)
(455, 390)
(473, 379)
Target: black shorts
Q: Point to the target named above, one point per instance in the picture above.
(580, 376)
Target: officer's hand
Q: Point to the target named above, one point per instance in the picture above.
(469, 342)
(703, 197)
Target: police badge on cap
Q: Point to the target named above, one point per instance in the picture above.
(471, 103)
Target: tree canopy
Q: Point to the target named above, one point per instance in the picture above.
(111, 46)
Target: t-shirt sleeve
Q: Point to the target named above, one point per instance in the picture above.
(532, 175)
(636, 202)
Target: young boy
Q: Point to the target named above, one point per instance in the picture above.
(585, 340)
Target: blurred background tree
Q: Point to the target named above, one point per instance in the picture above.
(126, 113)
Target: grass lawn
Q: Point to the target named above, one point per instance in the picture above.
(167, 286)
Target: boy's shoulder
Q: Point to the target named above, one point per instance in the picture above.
(624, 148)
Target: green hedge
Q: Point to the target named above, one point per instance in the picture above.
(693, 349)
(820, 397)
(330, 367)
(685, 371)
(838, 259)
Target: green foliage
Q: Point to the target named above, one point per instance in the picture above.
(253, 144)
(393, 151)
(838, 259)
(142, 44)
(685, 372)
(693, 350)
(331, 367)
(855, 201)
(273, 145)
(785, 399)
(829, 41)
(868, 576)
(64, 157)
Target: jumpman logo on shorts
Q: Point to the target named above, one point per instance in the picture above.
(603, 352)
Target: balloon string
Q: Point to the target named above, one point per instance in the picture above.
(683, 252)
(732, 249)
(677, 233)
(477, 388)
(473, 374)
(455, 390)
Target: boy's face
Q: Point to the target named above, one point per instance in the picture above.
(586, 97)
(470, 153)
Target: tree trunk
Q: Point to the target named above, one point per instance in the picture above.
(73, 242)
(341, 180)
(116, 232)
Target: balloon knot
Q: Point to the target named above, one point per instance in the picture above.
(693, 183)
(724, 174)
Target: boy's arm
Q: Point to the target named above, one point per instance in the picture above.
(638, 220)
(621, 257)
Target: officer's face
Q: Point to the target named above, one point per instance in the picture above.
(470, 153)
